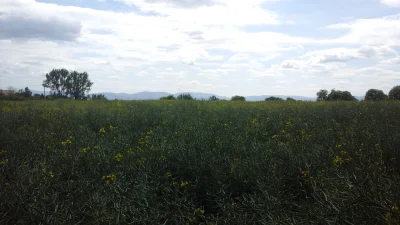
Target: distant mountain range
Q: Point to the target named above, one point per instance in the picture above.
(148, 95)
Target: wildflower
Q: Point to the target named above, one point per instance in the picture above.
(102, 131)
(4, 162)
(162, 158)
(111, 127)
(84, 150)
(304, 174)
(150, 132)
(67, 142)
(3, 152)
(118, 157)
(337, 161)
(167, 174)
(395, 208)
(184, 183)
(51, 174)
(108, 179)
(199, 211)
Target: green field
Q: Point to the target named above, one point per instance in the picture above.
(199, 162)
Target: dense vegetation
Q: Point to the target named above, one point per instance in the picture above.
(199, 162)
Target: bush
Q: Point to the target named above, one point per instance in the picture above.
(337, 95)
(394, 94)
(272, 98)
(375, 95)
(238, 98)
(169, 97)
(185, 96)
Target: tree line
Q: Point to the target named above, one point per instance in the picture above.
(62, 84)
(72, 84)
(370, 95)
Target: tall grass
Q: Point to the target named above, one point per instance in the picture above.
(198, 162)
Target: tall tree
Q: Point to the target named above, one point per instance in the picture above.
(337, 95)
(375, 95)
(394, 94)
(56, 80)
(27, 92)
(78, 84)
(322, 95)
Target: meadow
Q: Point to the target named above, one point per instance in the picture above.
(199, 162)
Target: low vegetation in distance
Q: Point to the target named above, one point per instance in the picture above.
(179, 161)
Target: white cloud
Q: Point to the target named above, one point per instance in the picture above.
(375, 31)
(21, 19)
(392, 3)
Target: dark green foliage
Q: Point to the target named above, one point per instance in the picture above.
(337, 95)
(185, 96)
(290, 99)
(394, 93)
(272, 98)
(375, 95)
(322, 95)
(78, 84)
(238, 98)
(199, 162)
(169, 97)
(24, 92)
(98, 97)
(64, 84)
(213, 98)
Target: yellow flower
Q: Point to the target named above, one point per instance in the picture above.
(84, 150)
(111, 127)
(118, 157)
(184, 183)
(337, 161)
(4, 162)
(199, 211)
(51, 174)
(395, 208)
(67, 142)
(102, 131)
(108, 179)
(168, 174)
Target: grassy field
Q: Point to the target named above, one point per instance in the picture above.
(199, 162)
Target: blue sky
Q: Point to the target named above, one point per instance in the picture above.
(226, 47)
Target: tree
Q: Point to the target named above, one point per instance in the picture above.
(213, 98)
(78, 84)
(272, 98)
(98, 97)
(337, 95)
(27, 92)
(184, 96)
(238, 98)
(169, 97)
(289, 99)
(322, 95)
(56, 80)
(394, 94)
(64, 84)
(375, 95)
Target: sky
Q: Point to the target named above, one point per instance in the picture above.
(225, 47)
